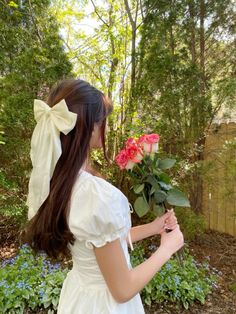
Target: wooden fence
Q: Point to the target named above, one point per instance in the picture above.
(219, 187)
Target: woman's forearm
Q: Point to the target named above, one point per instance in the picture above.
(122, 281)
(138, 233)
(140, 275)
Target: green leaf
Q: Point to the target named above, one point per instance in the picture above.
(160, 196)
(156, 172)
(141, 206)
(165, 186)
(158, 210)
(185, 304)
(166, 163)
(153, 182)
(152, 190)
(157, 162)
(138, 188)
(177, 198)
(148, 288)
(164, 177)
(55, 301)
(12, 4)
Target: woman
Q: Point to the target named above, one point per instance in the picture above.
(73, 208)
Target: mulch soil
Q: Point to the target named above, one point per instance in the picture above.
(218, 249)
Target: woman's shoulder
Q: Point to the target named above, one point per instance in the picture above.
(95, 197)
(95, 184)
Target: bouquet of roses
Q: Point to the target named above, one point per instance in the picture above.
(153, 186)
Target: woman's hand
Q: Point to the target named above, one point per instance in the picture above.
(166, 221)
(172, 241)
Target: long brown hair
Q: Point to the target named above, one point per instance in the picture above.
(48, 230)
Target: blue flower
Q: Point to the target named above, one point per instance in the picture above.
(176, 280)
(25, 248)
(41, 293)
(168, 266)
(22, 285)
(57, 265)
(198, 289)
(25, 245)
(7, 292)
(2, 283)
(177, 294)
(10, 261)
(24, 265)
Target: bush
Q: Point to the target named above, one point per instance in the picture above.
(180, 283)
(30, 282)
(12, 203)
(192, 224)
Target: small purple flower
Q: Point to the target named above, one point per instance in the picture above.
(10, 261)
(57, 266)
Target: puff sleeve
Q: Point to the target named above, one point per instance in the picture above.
(99, 213)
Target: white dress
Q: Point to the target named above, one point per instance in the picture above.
(99, 213)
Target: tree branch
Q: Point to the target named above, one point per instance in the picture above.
(129, 13)
(141, 9)
(99, 16)
(34, 22)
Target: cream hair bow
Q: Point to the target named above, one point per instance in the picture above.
(46, 148)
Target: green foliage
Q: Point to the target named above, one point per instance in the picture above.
(141, 206)
(12, 203)
(177, 198)
(30, 282)
(166, 163)
(153, 185)
(191, 223)
(183, 284)
(32, 59)
(185, 76)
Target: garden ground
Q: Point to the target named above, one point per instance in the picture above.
(217, 248)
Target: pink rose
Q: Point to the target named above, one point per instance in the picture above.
(149, 142)
(130, 142)
(134, 153)
(122, 159)
(128, 157)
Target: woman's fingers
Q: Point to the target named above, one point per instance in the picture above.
(171, 226)
(171, 222)
(171, 219)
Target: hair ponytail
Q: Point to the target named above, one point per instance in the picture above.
(48, 230)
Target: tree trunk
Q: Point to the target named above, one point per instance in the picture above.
(192, 30)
